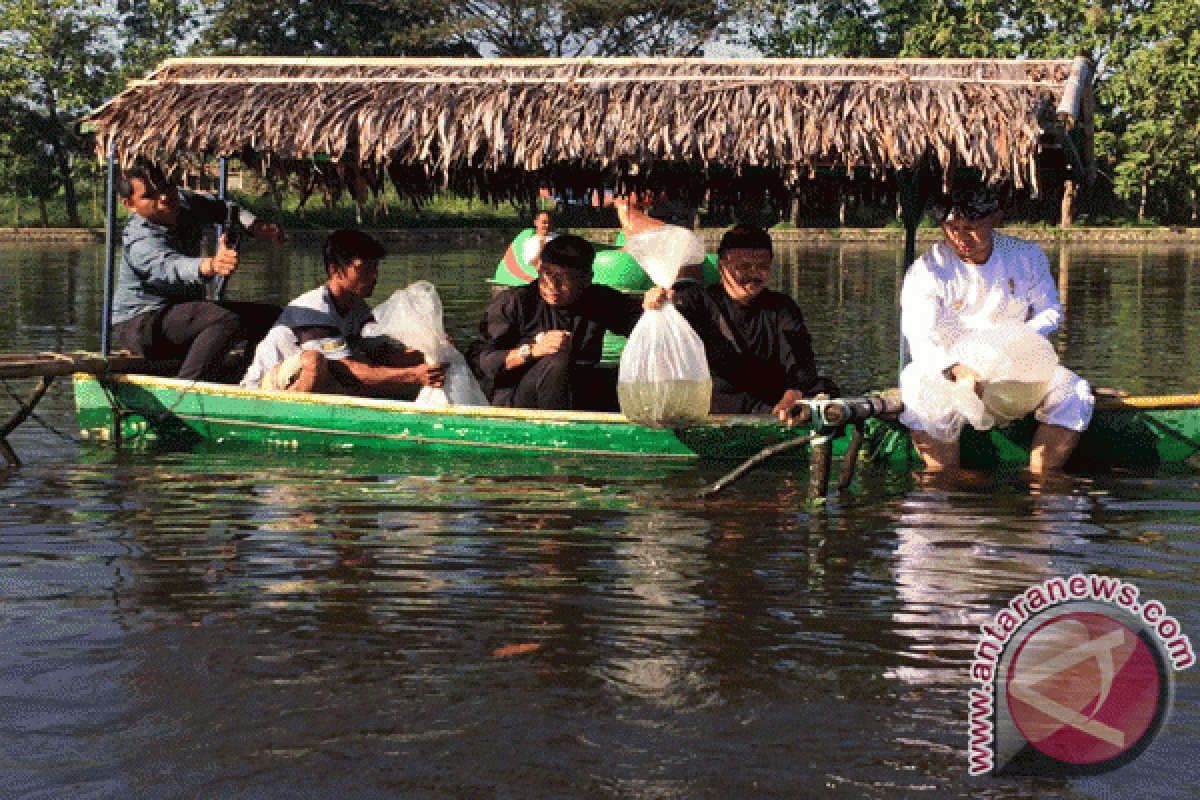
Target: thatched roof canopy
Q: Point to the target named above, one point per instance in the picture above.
(506, 118)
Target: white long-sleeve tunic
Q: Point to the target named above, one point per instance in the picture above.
(944, 297)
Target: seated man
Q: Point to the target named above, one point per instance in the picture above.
(159, 306)
(759, 351)
(974, 279)
(543, 231)
(539, 345)
(317, 345)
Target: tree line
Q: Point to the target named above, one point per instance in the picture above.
(59, 59)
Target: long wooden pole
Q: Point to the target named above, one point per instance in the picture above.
(615, 61)
(913, 195)
(110, 250)
(44, 365)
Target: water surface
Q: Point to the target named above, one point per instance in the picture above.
(224, 625)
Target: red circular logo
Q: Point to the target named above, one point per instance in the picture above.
(1084, 688)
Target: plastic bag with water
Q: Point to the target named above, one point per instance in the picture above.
(413, 316)
(1016, 365)
(663, 378)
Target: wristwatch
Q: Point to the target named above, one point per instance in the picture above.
(525, 351)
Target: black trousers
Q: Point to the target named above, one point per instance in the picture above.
(556, 382)
(199, 334)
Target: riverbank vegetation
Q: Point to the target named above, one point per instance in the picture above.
(59, 59)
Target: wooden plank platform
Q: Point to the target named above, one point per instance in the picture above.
(41, 365)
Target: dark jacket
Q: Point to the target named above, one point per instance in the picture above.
(517, 315)
(755, 352)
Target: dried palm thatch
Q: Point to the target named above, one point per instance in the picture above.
(501, 128)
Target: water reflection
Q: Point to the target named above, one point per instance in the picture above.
(228, 624)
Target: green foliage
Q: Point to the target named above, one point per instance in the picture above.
(154, 30)
(333, 28)
(56, 62)
(1152, 141)
(644, 27)
(1146, 55)
(824, 28)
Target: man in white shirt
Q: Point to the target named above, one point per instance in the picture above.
(543, 231)
(977, 278)
(317, 343)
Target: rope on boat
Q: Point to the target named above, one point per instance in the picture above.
(756, 460)
(36, 417)
(47, 366)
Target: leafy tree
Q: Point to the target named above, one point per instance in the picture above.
(154, 30)
(959, 29)
(1154, 136)
(648, 27)
(853, 29)
(55, 63)
(334, 28)
(27, 168)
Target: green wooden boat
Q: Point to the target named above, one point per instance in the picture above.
(1135, 432)
(181, 413)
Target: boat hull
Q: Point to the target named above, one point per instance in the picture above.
(1131, 433)
(182, 413)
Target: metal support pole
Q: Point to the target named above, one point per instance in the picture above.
(110, 252)
(850, 460)
(913, 195)
(222, 191)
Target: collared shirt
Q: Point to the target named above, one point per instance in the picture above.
(944, 297)
(160, 265)
(310, 322)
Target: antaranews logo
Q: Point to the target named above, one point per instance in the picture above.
(1076, 677)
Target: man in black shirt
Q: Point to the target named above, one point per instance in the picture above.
(759, 351)
(539, 345)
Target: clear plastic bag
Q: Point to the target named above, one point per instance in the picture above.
(945, 405)
(663, 378)
(1016, 365)
(413, 316)
(663, 251)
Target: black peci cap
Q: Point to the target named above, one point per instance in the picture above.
(969, 198)
(569, 252)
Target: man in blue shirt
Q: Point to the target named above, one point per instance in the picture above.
(160, 309)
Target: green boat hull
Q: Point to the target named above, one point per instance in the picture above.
(1134, 433)
(182, 413)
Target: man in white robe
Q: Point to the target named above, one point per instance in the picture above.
(974, 279)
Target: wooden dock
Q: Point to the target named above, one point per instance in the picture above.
(45, 367)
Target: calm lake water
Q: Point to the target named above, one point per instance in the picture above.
(221, 625)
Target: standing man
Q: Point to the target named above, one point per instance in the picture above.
(540, 344)
(758, 348)
(977, 278)
(318, 344)
(159, 308)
